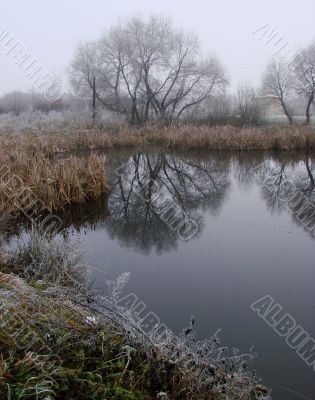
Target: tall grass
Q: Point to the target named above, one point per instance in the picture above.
(177, 137)
(27, 176)
(45, 258)
(4, 222)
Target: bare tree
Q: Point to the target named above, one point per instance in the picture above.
(147, 70)
(278, 84)
(305, 74)
(248, 107)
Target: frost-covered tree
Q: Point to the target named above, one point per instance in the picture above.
(147, 70)
(278, 83)
(305, 77)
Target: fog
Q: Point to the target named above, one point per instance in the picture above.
(52, 30)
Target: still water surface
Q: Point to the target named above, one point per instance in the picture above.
(249, 244)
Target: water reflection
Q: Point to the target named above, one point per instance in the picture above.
(145, 184)
(151, 188)
(199, 184)
(288, 186)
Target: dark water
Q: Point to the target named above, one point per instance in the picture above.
(250, 243)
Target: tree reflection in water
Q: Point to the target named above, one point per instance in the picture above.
(148, 184)
(289, 186)
(195, 183)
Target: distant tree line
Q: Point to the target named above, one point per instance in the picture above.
(147, 70)
(18, 102)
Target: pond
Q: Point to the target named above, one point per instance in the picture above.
(209, 234)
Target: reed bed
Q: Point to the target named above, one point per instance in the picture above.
(240, 139)
(174, 137)
(31, 180)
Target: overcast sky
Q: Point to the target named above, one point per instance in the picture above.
(50, 30)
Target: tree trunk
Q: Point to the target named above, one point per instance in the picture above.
(284, 107)
(308, 107)
(94, 101)
(146, 112)
(135, 117)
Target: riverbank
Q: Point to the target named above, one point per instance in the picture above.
(59, 340)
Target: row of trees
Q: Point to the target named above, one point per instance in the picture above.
(145, 70)
(18, 102)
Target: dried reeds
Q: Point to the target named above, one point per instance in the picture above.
(30, 157)
(175, 137)
(27, 180)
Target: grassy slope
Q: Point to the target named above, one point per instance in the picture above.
(37, 326)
